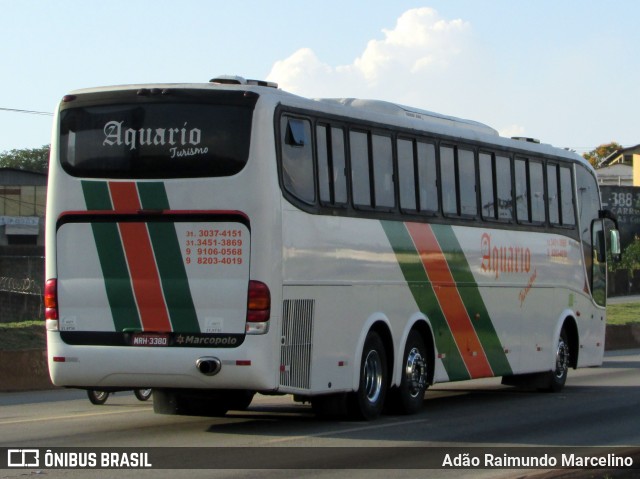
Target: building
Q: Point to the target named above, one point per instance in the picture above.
(621, 168)
(22, 207)
(615, 175)
(23, 197)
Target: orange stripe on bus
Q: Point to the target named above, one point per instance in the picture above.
(453, 309)
(142, 265)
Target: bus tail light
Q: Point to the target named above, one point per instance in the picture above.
(51, 304)
(258, 308)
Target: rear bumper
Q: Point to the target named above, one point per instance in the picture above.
(250, 366)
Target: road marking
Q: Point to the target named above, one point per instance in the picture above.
(70, 416)
(346, 431)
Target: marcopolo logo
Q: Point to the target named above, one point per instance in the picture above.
(206, 340)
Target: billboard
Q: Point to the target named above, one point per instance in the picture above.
(624, 202)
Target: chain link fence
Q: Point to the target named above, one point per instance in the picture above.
(21, 288)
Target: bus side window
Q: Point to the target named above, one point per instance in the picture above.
(297, 158)
(427, 177)
(522, 191)
(406, 173)
(503, 188)
(324, 164)
(566, 197)
(448, 174)
(552, 194)
(537, 192)
(384, 192)
(295, 134)
(467, 182)
(360, 179)
(487, 196)
(331, 160)
(458, 172)
(339, 171)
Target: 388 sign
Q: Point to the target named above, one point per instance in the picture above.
(624, 201)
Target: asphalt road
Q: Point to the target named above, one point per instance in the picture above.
(598, 407)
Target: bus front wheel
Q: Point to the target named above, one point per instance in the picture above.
(367, 402)
(558, 377)
(549, 381)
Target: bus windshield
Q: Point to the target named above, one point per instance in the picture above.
(155, 140)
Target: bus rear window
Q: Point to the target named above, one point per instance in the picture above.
(155, 140)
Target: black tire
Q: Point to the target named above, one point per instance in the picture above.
(238, 400)
(408, 398)
(330, 406)
(368, 401)
(200, 402)
(549, 381)
(97, 397)
(558, 377)
(143, 394)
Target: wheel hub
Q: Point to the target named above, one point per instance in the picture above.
(562, 359)
(373, 376)
(416, 372)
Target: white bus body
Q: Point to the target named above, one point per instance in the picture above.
(212, 241)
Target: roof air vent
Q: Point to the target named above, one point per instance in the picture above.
(524, 138)
(238, 80)
(269, 84)
(229, 80)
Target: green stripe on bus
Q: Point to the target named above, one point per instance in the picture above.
(153, 196)
(166, 249)
(112, 260)
(96, 195)
(470, 294)
(424, 296)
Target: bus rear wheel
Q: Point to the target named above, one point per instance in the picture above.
(409, 396)
(97, 397)
(367, 402)
(143, 394)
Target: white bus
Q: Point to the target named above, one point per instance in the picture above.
(213, 241)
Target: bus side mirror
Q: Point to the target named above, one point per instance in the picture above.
(614, 234)
(600, 247)
(614, 242)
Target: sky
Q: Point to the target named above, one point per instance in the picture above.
(564, 71)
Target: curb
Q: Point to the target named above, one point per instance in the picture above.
(27, 370)
(623, 336)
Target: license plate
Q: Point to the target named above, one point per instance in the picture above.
(150, 339)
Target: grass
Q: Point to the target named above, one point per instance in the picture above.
(623, 313)
(22, 335)
(31, 334)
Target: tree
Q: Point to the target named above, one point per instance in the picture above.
(30, 159)
(597, 156)
(630, 258)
